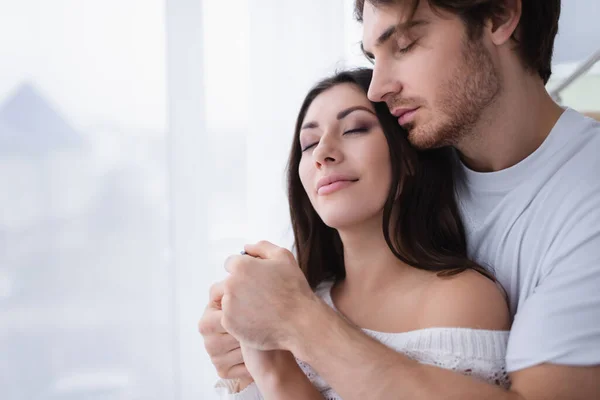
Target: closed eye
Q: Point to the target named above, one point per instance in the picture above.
(309, 146)
(404, 50)
(348, 132)
(357, 130)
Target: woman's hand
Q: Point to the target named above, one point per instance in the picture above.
(278, 375)
(267, 367)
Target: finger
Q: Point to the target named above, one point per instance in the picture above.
(234, 262)
(215, 294)
(227, 342)
(211, 323)
(233, 357)
(264, 249)
(220, 343)
(238, 371)
(225, 362)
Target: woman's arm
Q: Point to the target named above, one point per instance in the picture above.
(278, 376)
(287, 381)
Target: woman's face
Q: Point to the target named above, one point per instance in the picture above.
(345, 165)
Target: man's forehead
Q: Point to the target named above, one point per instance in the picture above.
(378, 19)
(375, 21)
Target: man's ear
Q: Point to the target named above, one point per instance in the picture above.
(501, 27)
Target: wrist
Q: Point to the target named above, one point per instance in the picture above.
(309, 327)
(243, 383)
(281, 365)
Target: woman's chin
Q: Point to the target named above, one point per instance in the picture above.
(350, 216)
(344, 221)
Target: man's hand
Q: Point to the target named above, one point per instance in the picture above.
(224, 350)
(264, 296)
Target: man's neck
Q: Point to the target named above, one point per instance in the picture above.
(512, 128)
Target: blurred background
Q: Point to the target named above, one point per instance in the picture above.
(141, 143)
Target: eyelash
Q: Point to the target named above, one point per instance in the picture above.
(351, 131)
(357, 130)
(404, 50)
(400, 50)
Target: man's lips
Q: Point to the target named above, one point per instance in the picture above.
(404, 115)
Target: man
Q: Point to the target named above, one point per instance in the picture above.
(468, 74)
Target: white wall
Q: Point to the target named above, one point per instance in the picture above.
(578, 31)
(584, 93)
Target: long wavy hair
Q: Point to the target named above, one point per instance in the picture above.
(421, 222)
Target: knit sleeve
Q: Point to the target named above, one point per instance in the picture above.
(227, 389)
(477, 353)
(489, 370)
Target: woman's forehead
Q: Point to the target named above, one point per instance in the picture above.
(337, 98)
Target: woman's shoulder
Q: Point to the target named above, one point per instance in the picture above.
(465, 300)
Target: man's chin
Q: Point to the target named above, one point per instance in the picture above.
(427, 139)
(422, 140)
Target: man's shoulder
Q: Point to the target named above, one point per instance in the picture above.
(573, 164)
(574, 120)
(573, 133)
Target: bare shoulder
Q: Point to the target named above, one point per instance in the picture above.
(466, 300)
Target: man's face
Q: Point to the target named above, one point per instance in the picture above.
(432, 77)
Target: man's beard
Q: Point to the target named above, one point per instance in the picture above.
(473, 86)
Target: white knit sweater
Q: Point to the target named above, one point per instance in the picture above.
(475, 352)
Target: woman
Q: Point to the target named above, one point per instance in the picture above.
(379, 238)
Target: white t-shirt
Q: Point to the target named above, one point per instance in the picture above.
(537, 225)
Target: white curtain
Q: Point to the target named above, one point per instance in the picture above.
(85, 281)
(141, 142)
(236, 85)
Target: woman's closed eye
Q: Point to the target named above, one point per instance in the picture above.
(361, 129)
(358, 130)
(308, 147)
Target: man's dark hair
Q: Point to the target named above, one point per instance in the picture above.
(534, 36)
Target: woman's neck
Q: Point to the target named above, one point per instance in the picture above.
(368, 260)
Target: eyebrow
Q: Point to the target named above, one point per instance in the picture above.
(341, 115)
(400, 28)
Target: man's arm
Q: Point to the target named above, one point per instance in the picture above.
(268, 290)
(358, 367)
(554, 344)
